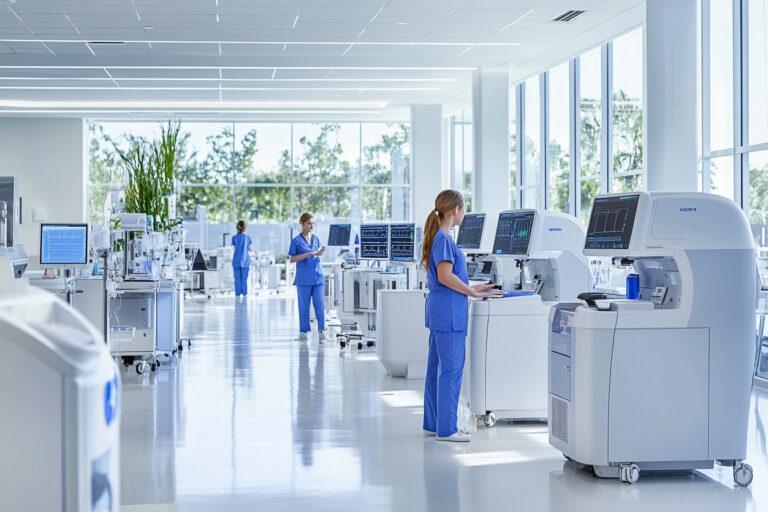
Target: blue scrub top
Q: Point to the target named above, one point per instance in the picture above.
(446, 310)
(242, 257)
(309, 272)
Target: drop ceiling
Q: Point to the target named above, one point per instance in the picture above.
(273, 58)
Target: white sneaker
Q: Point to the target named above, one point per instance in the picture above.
(321, 336)
(303, 336)
(429, 433)
(461, 436)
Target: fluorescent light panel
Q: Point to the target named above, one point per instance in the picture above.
(173, 105)
(267, 43)
(214, 79)
(216, 88)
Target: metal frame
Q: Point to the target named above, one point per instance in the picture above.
(544, 159)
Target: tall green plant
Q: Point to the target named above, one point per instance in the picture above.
(151, 174)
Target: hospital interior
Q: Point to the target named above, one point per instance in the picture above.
(383, 255)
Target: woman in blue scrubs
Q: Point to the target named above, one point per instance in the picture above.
(305, 251)
(241, 261)
(446, 316)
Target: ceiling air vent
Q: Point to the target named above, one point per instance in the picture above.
(569, 16)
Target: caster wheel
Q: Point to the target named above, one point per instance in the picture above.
(154, 367)
(141, 368)
(369, 344)
(742, 474)
(342, 344)
(629, 473)
(489, 419)
(359, 346)
(189, 344)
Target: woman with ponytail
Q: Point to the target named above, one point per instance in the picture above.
(446, 316)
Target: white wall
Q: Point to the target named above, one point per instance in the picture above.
(49, 158)
(671, 55)
(426, 158)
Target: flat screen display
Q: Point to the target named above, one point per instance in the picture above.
(401, 242)
(513, 232)
(63, 244)
(611, 222)
(338, 235)
(471, 231)
(374, 241)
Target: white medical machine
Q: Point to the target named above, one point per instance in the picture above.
(662, 382)
(60, 391)
(402, 340)
(538, 253)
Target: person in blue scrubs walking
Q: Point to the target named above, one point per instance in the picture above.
(446, 316)
(305, 251)
(241, 261)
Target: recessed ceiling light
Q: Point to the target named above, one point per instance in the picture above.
(402, 23)
(149, 27)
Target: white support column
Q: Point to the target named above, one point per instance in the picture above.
(490, 118)
(426, 158)
(670, 43)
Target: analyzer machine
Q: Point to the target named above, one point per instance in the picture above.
(537, 259)
(661, 382)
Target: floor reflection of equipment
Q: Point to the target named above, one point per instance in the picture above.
(537, 255)
(662, 382)
(60, 390)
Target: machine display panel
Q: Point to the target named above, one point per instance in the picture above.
(338, 235)
(63, 244)
(513, 232)
(471, 231)
(401, 242)
(611, 222)
(374, 241)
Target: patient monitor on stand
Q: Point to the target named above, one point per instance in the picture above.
(662, 382)
(537, 257)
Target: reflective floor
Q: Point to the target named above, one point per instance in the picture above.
(252, 419)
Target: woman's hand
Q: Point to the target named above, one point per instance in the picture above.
(486, 290)
(483, 287)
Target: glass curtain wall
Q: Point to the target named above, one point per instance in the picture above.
(269, 173)
(462, 157)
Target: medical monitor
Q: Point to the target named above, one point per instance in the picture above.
(611, 222)
(63, 244)
(374, 241)
(471, 231)
(402, 242)
(513, 232)
(339, 234)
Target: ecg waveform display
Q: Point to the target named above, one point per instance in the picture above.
(338, 235)
(374, 241)
(63, 244)
(611, 222)
(513, 232)
(401, 242)
(471, 231)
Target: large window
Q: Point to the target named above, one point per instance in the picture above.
(271, 172)
(627, 130)
(532, 145)
(462, 156)
(559, 138)
(590, 127)
(513, 151)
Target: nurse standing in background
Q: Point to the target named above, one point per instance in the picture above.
(446, 316)
(241, 261)
(305, 251)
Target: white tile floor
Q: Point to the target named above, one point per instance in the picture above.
(252, 419)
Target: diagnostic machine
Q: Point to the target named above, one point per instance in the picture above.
(536, 258)
(662, 382)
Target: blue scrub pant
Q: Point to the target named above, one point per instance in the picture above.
(241, 280)
(445, 366)
(315, 293)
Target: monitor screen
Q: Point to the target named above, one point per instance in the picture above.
(338, 235)
(374, 241)
(611, 222)
(401, 242)
(471, 231)
(63, 244)
(513, 232)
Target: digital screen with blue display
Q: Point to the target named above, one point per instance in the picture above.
(513, 232)
(471, 231)
(401, 242)
(374, 241)
(63, 244)
(611, 222)
(338, 235)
